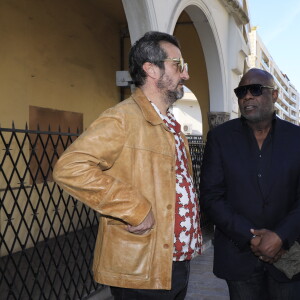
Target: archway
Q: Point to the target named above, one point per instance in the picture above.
(187, 112)
(195, 28)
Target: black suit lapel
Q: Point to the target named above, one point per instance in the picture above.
(241, 141)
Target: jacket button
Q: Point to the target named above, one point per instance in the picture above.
(169, 206)
(172, 169)
(166, 246)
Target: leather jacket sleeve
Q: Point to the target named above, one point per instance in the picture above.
(83, 171)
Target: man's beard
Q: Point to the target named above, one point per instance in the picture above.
(174, 95)
(170, 96)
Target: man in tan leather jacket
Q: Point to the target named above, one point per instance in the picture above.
(132, 165)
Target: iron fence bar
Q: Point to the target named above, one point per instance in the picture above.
(62, 232)
(29, 131)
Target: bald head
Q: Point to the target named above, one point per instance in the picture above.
(255, 75)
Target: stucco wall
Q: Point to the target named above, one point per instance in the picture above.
(56, 54)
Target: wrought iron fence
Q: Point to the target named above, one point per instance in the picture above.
(46, 236)
(197, 145)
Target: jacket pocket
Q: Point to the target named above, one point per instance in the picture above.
(126, 253)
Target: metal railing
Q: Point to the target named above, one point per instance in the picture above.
(197, 146)
(46, 236)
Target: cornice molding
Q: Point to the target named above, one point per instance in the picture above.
(234, 7)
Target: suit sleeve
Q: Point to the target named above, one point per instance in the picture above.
(213, 199)
(288, 229)
(80, 172)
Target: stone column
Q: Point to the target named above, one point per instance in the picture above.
(217, 118)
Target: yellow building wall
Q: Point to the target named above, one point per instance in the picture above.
(56, 54)
(192, 52)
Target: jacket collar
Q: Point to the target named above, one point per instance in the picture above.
(147, 109)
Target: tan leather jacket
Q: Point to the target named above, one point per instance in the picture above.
(122, 166)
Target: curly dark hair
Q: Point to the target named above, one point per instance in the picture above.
(148, 49)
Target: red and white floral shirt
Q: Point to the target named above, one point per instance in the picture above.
(187, 237)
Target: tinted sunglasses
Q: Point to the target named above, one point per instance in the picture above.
(254, 89)
(180, 62)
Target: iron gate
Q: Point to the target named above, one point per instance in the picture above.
(197, 145)
(46, 236)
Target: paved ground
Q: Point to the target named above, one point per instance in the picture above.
(203, 284)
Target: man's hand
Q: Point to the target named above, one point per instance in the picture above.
(145, 226)
(278, 255)
(267, 245)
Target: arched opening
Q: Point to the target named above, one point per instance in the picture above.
(187, 112)
(193, 54)
(200, 48)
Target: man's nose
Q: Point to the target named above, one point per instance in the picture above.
(248, 94)
(185, 74)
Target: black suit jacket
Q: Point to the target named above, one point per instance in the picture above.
(231, 196)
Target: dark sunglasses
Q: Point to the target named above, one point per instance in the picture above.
(254, 89)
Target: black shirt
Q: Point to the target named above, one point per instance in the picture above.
(261, 159)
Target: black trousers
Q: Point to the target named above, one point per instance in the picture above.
(261, 286)
(180, 277)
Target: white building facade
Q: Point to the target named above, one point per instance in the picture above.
(287, 105)
(188, 113)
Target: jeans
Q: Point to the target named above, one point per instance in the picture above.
(180, 277)
(261, 286)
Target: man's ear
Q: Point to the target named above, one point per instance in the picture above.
(275, 95)
(150, 69)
